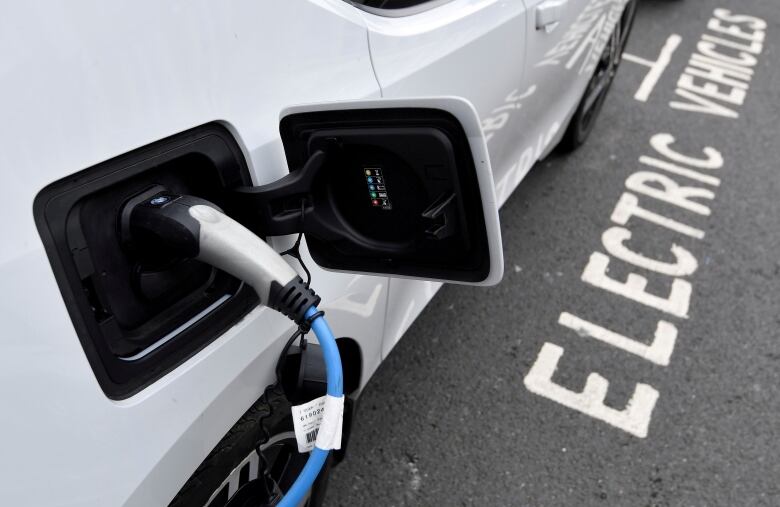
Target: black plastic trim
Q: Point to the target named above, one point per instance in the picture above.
(461, 251)
(57, 210)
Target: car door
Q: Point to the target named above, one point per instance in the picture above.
(468, 48)
(564, 44)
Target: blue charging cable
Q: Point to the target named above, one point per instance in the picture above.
(195, 228)
(316, 461)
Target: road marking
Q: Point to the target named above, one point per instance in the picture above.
(662, 144)
(718, 69)
(628, 206)
(634, 419)
(676, 303)
(682, 171)
(723, 66)
(646, 182)
(657, 67)
(658, 352)
(614, 238)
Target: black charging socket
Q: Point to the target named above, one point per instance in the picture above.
(303, 373)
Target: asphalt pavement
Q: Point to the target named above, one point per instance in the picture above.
(465, 410)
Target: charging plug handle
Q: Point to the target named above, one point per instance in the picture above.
(162, 221)
(195, 228)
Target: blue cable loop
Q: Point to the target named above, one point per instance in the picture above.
(317, 458)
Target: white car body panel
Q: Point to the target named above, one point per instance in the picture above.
(468, 48)
(86, 81)
(134, 74)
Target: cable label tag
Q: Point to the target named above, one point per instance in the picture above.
(319, 422)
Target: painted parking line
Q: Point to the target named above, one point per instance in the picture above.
(657, 66)
(718, 76)
(714, 83)
(658, 352)
(633, 419)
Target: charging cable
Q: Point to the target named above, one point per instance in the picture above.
(331, 422)
(196, 228)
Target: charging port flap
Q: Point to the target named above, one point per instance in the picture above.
(397, 187)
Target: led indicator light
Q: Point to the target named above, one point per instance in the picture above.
(159, 200)
(377, 192)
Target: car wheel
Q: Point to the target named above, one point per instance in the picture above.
(261, 445)
(584, 118)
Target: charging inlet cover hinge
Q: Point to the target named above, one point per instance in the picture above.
(282, 207)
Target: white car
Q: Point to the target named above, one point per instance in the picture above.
(133, 378)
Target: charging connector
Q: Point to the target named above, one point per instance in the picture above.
(191, 227)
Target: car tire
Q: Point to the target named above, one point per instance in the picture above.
(584, 118)
(230, 474)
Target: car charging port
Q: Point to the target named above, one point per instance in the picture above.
(141, 311)
(381, 191)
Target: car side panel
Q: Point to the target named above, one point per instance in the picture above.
(561, 61)
(83, 82)
(468, 48)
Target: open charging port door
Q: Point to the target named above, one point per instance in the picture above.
(396, 187)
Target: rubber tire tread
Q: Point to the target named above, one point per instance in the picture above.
(574, 137)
